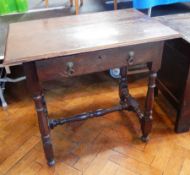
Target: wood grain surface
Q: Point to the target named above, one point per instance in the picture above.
(48, 38)
(179, 22)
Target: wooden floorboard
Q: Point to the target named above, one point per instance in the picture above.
(101, 146)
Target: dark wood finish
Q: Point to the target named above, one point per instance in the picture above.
(102, 60)
(83, 33)
(77, 45)
(98, 113)
(174, 76)
(146, 124)
(174, 80)
(123, 86)
(125, 97)
(41, 109)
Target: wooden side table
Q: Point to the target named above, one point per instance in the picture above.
(174, 77)
(83, 44)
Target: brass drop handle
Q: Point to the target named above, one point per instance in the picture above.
(70, 68)
(131, 58)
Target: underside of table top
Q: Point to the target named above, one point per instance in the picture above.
(54, 37)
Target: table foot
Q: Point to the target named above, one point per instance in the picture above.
(146, 127)
(48, 148)
(145, 139)
(51, 163)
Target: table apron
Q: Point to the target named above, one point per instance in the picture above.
(97, 61)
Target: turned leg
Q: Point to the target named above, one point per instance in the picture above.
(44, 128)
(123, 87)
(41, 110)
(146, 121)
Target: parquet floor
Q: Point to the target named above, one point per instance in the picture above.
(103, 146)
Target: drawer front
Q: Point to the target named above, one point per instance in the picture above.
(98, 61)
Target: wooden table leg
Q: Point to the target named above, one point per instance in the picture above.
(123, 86)
(146, 121)
(41, 109)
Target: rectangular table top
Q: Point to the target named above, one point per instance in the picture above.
(48, 38)
(179, 22)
